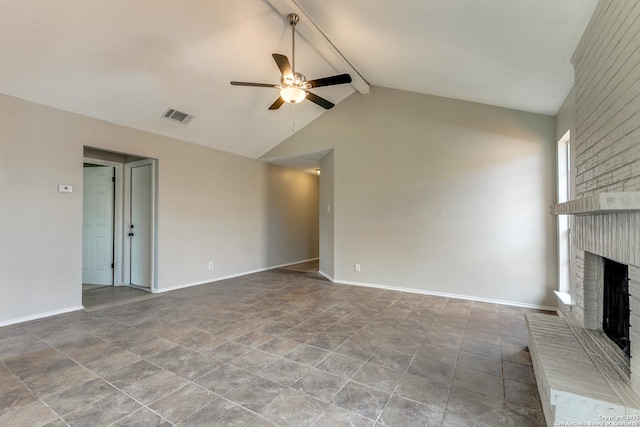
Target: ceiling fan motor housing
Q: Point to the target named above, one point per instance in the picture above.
(299, 81)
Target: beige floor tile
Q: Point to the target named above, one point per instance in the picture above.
(280, 347)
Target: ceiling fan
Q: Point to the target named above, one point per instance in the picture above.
(294, 87)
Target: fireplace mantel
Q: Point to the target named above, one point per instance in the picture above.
(599, 203)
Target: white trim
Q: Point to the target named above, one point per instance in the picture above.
(40, 315)
(447, 295)
(297, 262)
(140, 288)
(368, 285)
(231, 276)
(326, 275)
(564, 297)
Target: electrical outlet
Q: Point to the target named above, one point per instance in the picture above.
(357, 267)
(210, 265)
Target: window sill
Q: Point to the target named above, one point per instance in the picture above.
(564, 297)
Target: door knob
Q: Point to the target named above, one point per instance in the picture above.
(131, 234)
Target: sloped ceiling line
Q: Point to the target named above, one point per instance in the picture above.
(126, 62)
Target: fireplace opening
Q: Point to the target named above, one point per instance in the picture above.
(615, 310)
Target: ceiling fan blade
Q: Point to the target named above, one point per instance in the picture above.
(330, 81)
(283, 64)
(253, 84)
(319, 100)
(277, 104)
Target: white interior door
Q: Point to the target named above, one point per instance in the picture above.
(97, 226)
(140, 228)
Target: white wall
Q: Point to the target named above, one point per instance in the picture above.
(566, 117)
(211, 206)
(439, 195)
(326, 215)
(292, 215)
(566, 121)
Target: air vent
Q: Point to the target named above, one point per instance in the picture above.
(178, 116)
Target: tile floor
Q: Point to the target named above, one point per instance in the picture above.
(278, 348)
(97, 297)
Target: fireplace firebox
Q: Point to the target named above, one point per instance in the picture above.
(615, 304)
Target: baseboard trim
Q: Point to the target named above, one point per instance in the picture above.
(326, 275)
(293, 263)
(40, 315)
(231, 276)
(443, 294)
(332, 279)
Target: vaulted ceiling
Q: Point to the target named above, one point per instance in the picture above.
(127, 62)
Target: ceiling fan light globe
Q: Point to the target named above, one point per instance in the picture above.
(292, 94)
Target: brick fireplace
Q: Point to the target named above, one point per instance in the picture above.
(610, 230)
(582, 375)
(586, 375)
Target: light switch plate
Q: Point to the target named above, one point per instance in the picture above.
(63, 188)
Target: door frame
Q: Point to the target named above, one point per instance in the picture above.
(127, 219)
(118, 219)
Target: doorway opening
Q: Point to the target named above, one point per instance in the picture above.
(119, 227)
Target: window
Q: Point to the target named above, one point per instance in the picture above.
(564, 223)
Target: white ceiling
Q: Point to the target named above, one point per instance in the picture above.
(127, 61)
